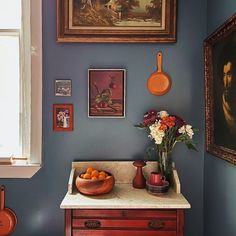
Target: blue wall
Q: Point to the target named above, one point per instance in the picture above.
(37, 200)
(219, 189)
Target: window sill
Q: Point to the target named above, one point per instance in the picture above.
(19, 170)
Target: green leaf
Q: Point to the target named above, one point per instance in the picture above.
(140, 125)
(191, 146)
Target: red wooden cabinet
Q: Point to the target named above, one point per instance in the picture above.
(118, 222)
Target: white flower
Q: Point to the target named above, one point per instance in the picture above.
(187, 129)
(163, 114)
(155, 133)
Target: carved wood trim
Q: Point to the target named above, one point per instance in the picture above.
(91, 35)
(220, 34)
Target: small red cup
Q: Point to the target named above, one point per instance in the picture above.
(156, 178)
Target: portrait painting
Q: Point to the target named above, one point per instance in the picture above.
(62, 117)
(117, 20)
(220, 81)
(106, 93)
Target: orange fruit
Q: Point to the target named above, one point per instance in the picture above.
(82, 176)
(87, 176)
(101, 177)
(94, 173)
(89, 170)
(102, 173)
(94, 178)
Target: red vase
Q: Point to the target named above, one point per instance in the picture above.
(139, 181)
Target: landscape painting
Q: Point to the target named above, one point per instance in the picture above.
(116, 21)
(119, 13)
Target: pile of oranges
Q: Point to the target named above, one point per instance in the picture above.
(94, 174)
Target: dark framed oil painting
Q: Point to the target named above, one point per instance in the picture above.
(118, 21)
(106, 93)
(220, 91)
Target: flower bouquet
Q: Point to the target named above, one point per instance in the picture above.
(167, 130)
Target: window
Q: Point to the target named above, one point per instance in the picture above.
(20, 76)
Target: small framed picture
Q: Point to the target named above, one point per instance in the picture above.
(63, 87)
(106, 93)
(62, 117)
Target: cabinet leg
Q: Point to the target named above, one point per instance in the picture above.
(68, 213)
(180, 222)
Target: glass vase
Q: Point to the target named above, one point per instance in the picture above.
(165, 165)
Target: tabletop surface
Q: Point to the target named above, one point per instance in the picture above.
(124, 196)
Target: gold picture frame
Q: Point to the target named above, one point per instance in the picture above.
(111, 21)
(220, 91)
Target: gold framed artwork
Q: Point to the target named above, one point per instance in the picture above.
(120, 21)
(220, 91)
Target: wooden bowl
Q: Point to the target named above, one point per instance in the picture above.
(94, 187)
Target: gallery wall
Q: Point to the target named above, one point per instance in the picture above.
(219, 187)
(37, 201)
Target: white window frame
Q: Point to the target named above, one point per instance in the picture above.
(33, 11)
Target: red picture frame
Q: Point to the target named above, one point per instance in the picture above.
(106, 93)
(63, 117)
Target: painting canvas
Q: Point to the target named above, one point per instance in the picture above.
(106, 93)
(117, 20)
(220, 81)
(117, 13)
(63, 87)
(62, 117)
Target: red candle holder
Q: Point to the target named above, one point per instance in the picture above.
(139, 181)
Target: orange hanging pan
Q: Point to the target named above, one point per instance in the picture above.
(8, 219)
(159, 83)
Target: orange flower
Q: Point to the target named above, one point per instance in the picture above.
(168, 121)
(163, 127)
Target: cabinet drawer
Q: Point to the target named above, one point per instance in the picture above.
(147, 224)
(122, 232)
(110, 213)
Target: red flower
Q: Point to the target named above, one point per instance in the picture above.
(150, 117)
(179, 121)
(168, 121)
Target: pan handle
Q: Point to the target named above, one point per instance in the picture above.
(2, 199)
(159, 62)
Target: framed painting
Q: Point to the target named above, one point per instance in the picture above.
(63, 88)
(116, 21)
(220, 91)
(62, 117)
(106, 93)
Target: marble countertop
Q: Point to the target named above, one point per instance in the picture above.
(123, 195)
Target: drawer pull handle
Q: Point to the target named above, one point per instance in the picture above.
(92, 224)
(124, 213)
(156, 224)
